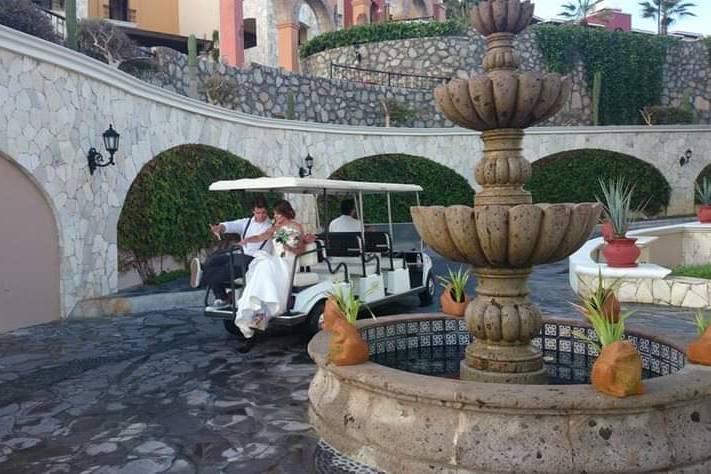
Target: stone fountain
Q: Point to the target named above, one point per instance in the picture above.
(504, 235)
(500, 415)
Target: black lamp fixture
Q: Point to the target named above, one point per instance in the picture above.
(304, 172)
(685, 158)
(111, 143)
(356, 52)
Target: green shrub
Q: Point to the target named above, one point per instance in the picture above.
(23, 15)
(664, 115)
(376, 32)
(573, 176)
(442, 186)
(168, 208)
(630, 65)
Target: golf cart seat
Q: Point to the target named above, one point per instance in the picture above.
(303, 276)
(381, 243)
(347, 248)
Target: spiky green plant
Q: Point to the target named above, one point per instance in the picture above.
(349, 304)
(608, 332)
(702, 324)
(456, 282)
(599, 295)
(617, 203)
(596, 93)
(703, 192)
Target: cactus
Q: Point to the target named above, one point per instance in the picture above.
(192, 66)
(596, 91)
(290, 106)
(215, 51)
(70, 25)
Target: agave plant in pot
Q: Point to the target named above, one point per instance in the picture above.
(703, 193)
(699, 351)
(617, 371)
(602, 299)
(620, 250)
(454, 300)
(346, 346)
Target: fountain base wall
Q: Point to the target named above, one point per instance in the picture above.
(399, 421)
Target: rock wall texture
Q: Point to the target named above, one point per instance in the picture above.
(272, 92)
(687, 70)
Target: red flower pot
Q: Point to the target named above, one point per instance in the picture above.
(621, 252)
(607, 230)
(704, 214)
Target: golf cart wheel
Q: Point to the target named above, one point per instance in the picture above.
(315, 318)
(427, 295)
(232, 329)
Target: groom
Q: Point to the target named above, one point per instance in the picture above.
(216, 273)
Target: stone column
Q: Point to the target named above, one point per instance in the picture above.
(361, 12)
(232, 32)
(288, 41)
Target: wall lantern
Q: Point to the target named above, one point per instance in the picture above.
(356, 53)
(304, 172)
(111, 143)
(685, 158)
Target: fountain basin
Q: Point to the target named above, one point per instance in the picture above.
(399, 421)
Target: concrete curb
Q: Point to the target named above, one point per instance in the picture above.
(125, 305)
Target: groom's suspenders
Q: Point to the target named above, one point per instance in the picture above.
(244, 236)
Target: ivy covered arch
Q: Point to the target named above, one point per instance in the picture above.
(168, 207)
(442, 185)
(574, 176)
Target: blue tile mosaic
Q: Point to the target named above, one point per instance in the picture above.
(437, 346)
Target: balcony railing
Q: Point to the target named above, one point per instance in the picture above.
(385, 78)
(58, 22)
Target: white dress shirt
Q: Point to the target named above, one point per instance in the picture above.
(344, 224)
(255, 228)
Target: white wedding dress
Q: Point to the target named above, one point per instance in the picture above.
(266, 292)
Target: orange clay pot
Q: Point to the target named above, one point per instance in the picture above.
(704, 214)
(345, 347)
(610, 308)
(452, 307)
(699, 351)
(618, 370)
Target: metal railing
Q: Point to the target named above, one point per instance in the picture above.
(385, 78)
(417, 18)
(58, 22)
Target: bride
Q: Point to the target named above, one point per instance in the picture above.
(268, 279)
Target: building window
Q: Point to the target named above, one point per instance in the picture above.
(118, 10)
(250, 33)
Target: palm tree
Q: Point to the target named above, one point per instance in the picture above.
(666, 12)
(578, 10)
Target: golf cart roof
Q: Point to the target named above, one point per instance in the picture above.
(310, 185)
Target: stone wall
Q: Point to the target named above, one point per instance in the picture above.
(266, 91)
(687, 69)
(688, 73)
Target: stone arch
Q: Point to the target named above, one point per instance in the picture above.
(573, 176)
(168, 208)
(287, 11)
(442, 185)
(29, 245)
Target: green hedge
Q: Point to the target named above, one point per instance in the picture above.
(631, 65)
(442, 185)
(380, 32)
(572, 176)
(168, 208)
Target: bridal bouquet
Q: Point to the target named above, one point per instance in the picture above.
(286, 236)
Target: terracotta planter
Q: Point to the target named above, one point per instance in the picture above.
(452, 307)
(607, 231)
(621, 252)
(704, 214)
(345, 347)
(611, 308)
(618, 370)
(699, 351)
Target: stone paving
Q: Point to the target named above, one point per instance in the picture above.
(170, 392)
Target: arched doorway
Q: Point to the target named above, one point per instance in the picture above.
(573, 176)
(29, 252)
(168, 208)
(442, 185)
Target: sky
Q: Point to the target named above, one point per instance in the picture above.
(701, 23)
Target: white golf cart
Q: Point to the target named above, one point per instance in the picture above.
(369, 262)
